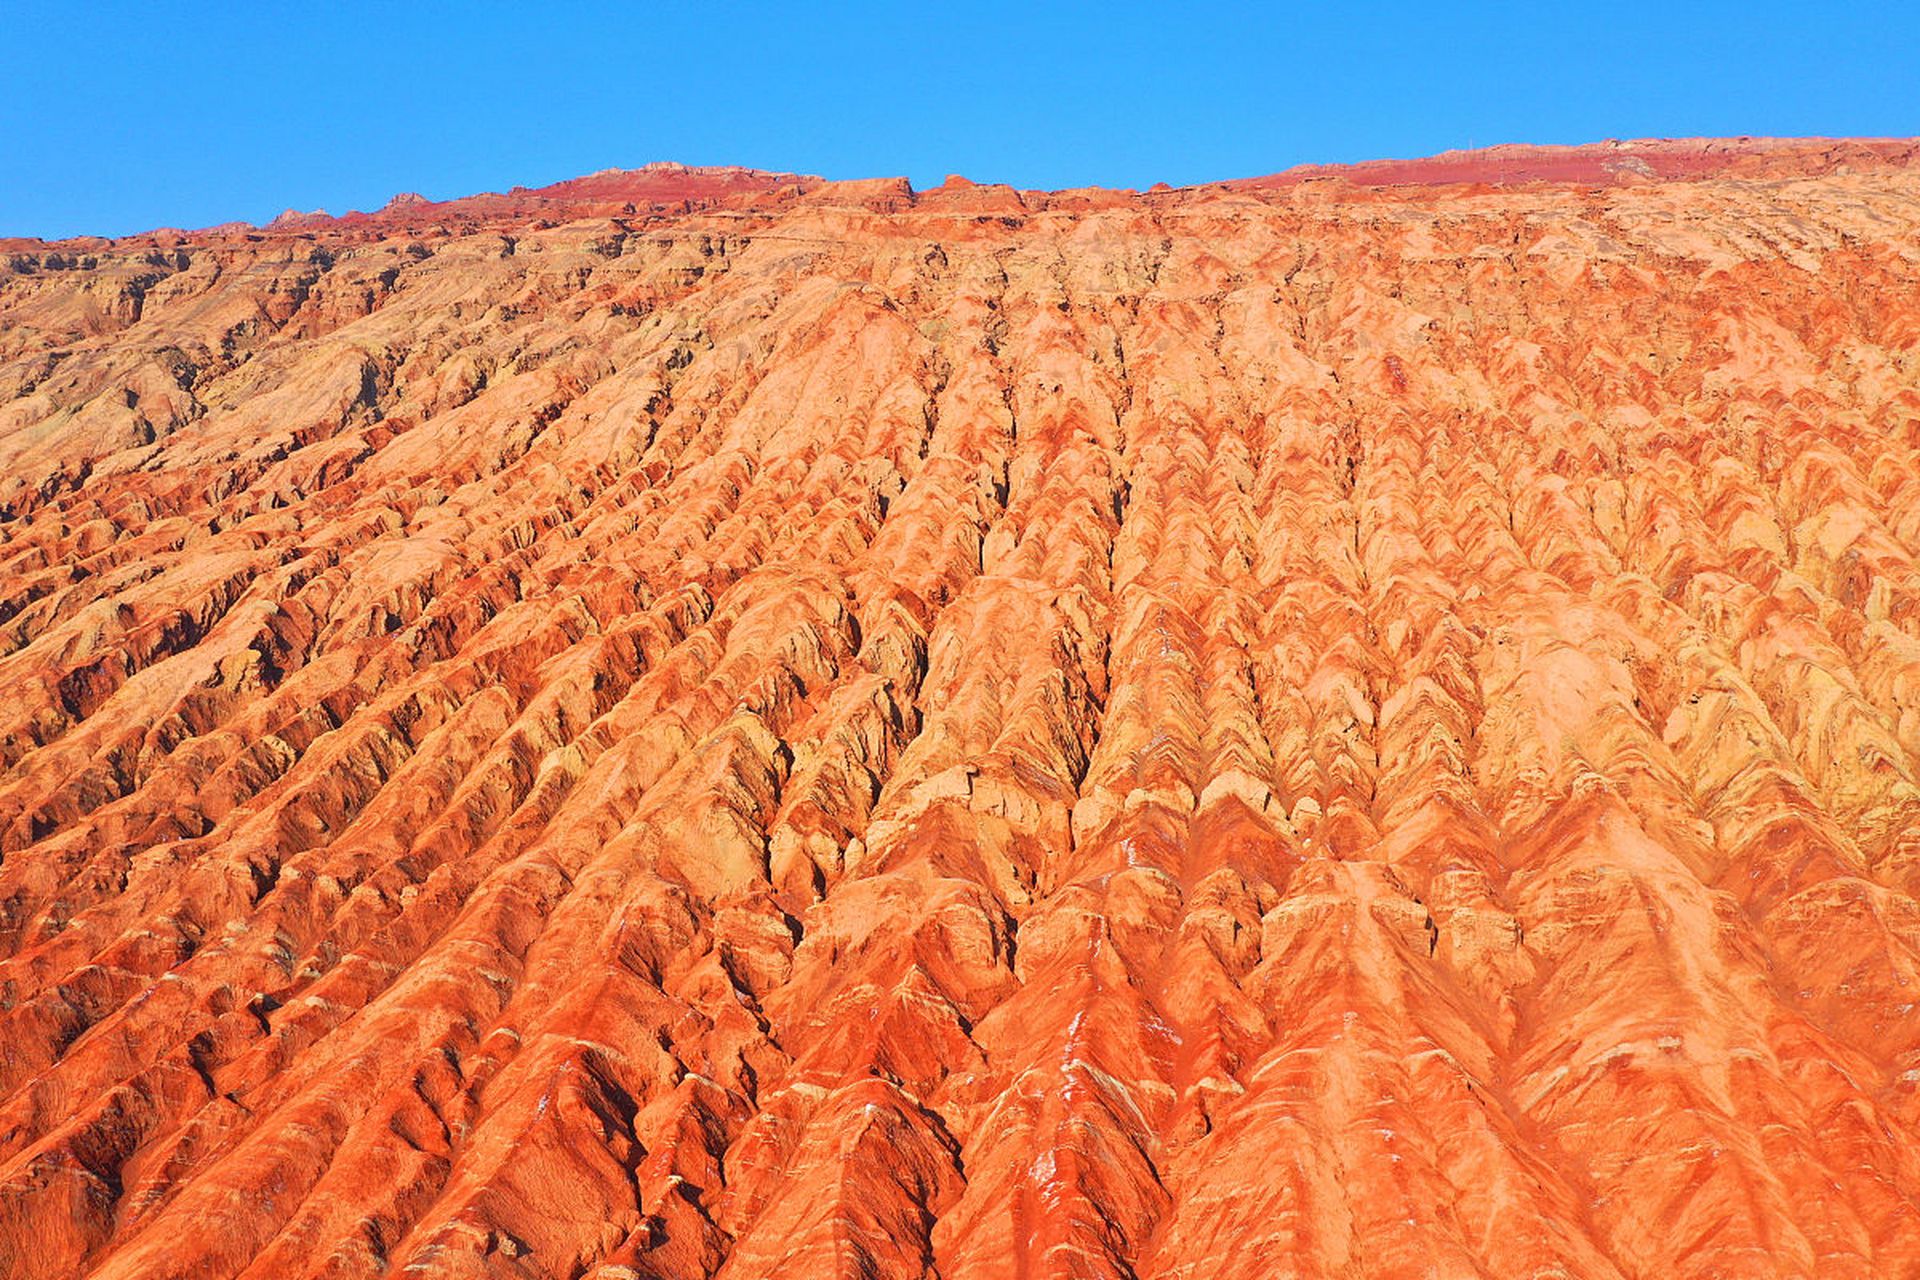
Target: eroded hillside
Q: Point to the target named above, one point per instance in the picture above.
(713, 724)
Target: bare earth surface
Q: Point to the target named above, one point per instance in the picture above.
(703, 723)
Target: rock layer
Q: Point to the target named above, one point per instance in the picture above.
(707, 724)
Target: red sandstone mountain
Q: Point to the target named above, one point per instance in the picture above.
(702, 723)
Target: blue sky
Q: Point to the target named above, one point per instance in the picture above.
(116, 117)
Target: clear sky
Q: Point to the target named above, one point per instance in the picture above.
(117, 117)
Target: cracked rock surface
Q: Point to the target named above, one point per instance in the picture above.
(699, 723)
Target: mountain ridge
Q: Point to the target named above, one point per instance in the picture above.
(667, 182)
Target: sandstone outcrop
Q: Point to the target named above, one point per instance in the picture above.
(712, 724)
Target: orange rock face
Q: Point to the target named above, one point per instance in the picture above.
(710, 724)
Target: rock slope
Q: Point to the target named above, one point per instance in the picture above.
(713, 724)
